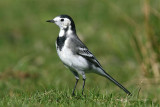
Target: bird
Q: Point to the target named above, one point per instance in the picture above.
(75, 55)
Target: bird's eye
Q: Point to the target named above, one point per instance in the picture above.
(62, 20)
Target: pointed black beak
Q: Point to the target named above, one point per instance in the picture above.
(51, 21)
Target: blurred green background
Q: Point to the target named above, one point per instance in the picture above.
(123, 35)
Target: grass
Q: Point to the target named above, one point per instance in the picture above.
(31, 73)
(63, 98)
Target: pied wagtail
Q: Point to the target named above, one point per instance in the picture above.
(75, 55)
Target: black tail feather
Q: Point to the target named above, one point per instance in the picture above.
(116, 83)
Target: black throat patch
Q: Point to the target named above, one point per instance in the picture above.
(60, 42)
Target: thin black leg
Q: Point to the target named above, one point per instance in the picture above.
(83, 85)
(75, 87)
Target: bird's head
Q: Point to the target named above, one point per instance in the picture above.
(64, 22)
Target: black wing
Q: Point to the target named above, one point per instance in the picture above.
(84, 52)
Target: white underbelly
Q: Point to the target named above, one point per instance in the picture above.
(74, 61)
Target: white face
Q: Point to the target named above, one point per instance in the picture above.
(63, 23)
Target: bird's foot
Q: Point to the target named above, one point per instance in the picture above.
(73, 94)
(82, 93)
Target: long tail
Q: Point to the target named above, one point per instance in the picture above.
(115, 82)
